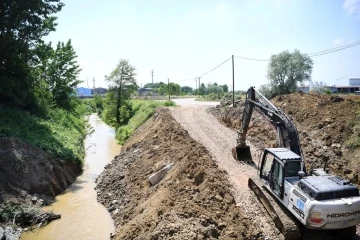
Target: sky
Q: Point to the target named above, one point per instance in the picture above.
(181, 40)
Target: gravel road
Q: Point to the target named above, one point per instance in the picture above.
(219, 140)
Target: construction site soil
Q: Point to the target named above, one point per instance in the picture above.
(328, 128)
(193, 201)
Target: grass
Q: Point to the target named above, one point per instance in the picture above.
(60, 133)
(142, 110)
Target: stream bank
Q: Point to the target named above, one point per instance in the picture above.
(193, 200)
(82, 217)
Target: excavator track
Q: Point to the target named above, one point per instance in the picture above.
(283, 219)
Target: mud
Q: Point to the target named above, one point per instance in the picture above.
(193, 201)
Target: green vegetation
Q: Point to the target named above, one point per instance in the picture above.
(141, 110)
(285, 71)
(60, 132)
(353, 141)
(37, 81)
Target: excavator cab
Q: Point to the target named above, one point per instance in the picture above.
(276, 165)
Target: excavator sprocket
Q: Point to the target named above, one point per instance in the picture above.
(283, 219)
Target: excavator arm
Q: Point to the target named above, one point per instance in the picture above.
(287, 135)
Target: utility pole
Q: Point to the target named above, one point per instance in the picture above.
(94, 85)
(169, 88)
(195, 85)
(152, 82)
(87, 82)
(199, 86)
(233, 85)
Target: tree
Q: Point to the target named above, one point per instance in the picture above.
(286, 70)
(202, 89)
(186, 89)
(23, 23)
(225, 88)
(122, 83)
(56, 71)
(63, 73)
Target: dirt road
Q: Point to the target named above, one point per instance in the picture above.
(219, 140)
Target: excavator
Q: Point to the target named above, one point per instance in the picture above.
(292, 196)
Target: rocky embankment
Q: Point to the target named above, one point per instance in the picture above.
(192, 201)
(325, 124)
(29, 178)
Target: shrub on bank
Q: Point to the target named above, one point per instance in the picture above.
(142, 110)
(60, 132)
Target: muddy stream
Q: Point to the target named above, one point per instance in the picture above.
(82, 217)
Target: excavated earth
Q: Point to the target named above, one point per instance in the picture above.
(193, 201)
(325, 125)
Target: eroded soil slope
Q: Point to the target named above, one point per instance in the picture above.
(26, 171)
(327, 126)
(193, 201)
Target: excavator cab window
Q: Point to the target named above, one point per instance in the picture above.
(272, 172)
(268, 160)
(277, 179)
(292, 168)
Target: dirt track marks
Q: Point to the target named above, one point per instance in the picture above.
(219, 140)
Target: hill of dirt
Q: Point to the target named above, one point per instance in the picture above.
(193, 200)
(328, 128)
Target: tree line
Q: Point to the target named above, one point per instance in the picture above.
(35, 75)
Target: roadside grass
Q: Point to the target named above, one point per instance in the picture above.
(218, 97)
(142, 110)
(60, 132)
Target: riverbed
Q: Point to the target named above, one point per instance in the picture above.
(82, 217)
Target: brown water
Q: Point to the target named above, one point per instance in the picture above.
(82, 217)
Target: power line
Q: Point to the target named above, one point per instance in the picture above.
(215, 67)
(191, 79)
(323, 52)
(339, 47)
(336, 50)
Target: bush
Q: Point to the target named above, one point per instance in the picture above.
(169, 103)
(60, 132)
(141, 111)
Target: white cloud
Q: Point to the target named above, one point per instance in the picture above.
(338, 41)
(352, 7)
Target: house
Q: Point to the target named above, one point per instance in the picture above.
(83, 92)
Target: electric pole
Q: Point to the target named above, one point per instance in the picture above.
(233, 85)
(195, 85)
(152, 82)
(94, 85)
(169, 88)
(199, 86)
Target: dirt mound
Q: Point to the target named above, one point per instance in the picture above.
(26, 171)
(325, 124)
(193, 201)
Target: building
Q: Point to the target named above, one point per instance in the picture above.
(146, 92)
(353, 87)
(99, 90)
(83, 92)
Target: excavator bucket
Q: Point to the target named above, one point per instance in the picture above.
(242, 153)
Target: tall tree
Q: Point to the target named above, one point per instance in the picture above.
(22, 25)
(122, 83)
(287, 69)
(63, 73)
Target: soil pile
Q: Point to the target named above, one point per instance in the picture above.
(325, 125)
(193, 200)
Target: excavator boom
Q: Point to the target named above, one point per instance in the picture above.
(287, 135)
